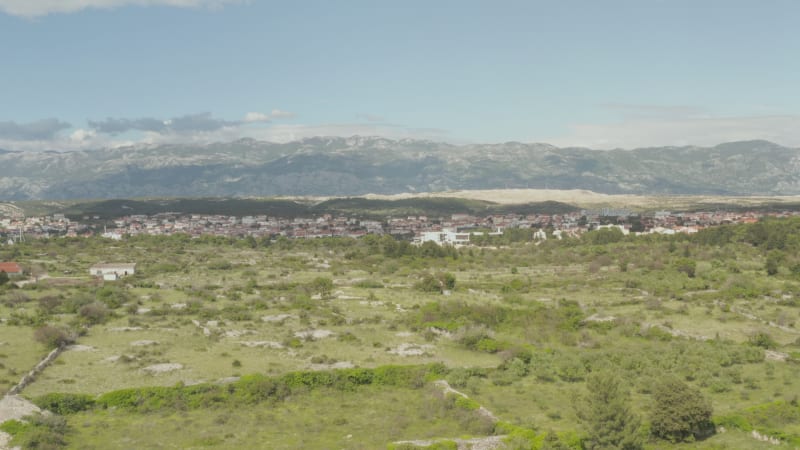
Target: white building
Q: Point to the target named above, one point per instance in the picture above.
(444, 237)
(113, 271)
(112, 235)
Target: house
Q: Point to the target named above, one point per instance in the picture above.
(113, 271)
(621, 228)
(11, 269)
(444, 237)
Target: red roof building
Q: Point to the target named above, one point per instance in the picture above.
(11, 268)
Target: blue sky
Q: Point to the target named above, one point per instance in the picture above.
(604, 74)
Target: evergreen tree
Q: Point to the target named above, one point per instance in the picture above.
(607, 416)
(680, 413)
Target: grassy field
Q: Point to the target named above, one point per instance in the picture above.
(315, 420)
(520, 331)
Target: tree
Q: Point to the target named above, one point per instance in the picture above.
(3, 277)
(436, 283)
(323, 286)
(680, 413)
(607, 416)
(686, 266)
(774, 259)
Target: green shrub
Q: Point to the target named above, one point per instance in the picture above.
(762, 339)
(64, 404)
(465, 403)
(436, 282)
(38, 431)
(369, 284)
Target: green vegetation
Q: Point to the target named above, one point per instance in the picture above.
(607, 341)
(680, 413)
(361, 207)
(607, 415)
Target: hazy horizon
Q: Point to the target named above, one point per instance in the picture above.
(189, 143)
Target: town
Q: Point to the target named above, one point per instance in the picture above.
(456, 229)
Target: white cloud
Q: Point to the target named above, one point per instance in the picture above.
(202, 129)
(278, 114)
(256, 117)
(675, 127)
(183, 124)
(700, 131)
(253, 117)
(35, 8)
(293, 132)
(81, 135)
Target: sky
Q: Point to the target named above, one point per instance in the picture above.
(87, 74)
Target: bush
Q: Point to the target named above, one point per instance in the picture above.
(687, 266)
(49, 303)
(436, 283)
(64, 404)
(763, 340)
(94, 313)
(37, 432)
(322, 286)
(52, 336)
(369, 284)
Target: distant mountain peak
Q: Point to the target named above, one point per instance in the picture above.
(355, 165)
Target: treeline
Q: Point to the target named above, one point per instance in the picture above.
(767, 234)
(354, 206)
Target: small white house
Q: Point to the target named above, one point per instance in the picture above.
(112, 271)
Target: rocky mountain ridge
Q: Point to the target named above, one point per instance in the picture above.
(358, 165)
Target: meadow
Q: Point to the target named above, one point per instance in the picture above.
(342, 343)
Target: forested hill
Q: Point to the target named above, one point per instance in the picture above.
(360, 165)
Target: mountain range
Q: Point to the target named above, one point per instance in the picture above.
(336, 166)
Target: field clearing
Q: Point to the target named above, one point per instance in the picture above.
(519, 328)
(321, 419)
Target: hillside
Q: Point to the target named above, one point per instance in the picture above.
(361, 165)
